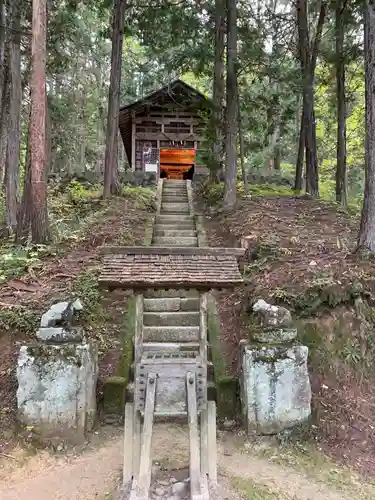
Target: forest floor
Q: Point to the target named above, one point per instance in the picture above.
(31, 283)
(303, 258)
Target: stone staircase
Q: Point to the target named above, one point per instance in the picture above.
(171, 318)
(175, 225)
(172, 375)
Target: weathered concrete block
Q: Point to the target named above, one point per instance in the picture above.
(59, 335)
(57, 389)
(55, 313)
(275, 335)
(275, 388)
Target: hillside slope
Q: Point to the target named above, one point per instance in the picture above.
(301, 256)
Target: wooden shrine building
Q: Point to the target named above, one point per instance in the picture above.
(163, 132)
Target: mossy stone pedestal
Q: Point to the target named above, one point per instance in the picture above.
(275, 385)
(56, 393)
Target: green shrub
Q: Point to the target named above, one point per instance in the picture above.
(15, 261)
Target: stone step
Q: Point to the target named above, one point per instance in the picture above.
(161, 241)
(173, 218)
(210, 371)
(172, 233)
(169, 304)
(171, 318)
(174, 182)
(169, 334)
(171, 294)
(175, 208)
(174, 204)
(188, 223)
(211, 393)
(174, 199)
(159, 228)
(170, 346)
(174, 189)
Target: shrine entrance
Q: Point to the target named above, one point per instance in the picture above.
(177, 163)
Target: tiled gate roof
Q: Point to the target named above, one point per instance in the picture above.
(174, 267)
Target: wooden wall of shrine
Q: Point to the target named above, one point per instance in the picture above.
(160, 128)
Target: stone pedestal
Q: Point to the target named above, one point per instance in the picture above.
(275, 388)
(56, 393)
(275, 384)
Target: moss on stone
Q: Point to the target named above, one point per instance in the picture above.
(201, 234)
(226, 385)
(44, 353)
(149, 227)
(127, 335)
(227, 397)
(114, 395)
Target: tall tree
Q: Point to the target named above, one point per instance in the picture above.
(298, 178)
(241, 144)
(230, 191)
(5, 34)
(39, 217)
(12, 164)
(308, 56)
(366, 237)
(341, 173)
(25, 211)
(218, 83)
(111, 158)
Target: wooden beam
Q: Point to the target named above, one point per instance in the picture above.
(209, 251)
(144, 478)
(170, 136)
(113, 283)
(133, 146)
(127, 473)
(138, 334)
(194, 445)
(211, 438)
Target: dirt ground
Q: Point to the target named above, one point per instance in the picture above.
(95, 473)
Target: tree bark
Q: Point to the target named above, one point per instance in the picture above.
(298, 180)
(341, 172)
(48, 166)
(242, 149)
(366, 237)
(24, 214)
(110, 161)
(4, 87)
(308, 58)
(230, 190)
(218, 87)
(277, 156)
(39, 217)
(14, 136)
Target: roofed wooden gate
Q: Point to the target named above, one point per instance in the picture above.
(171, 350)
